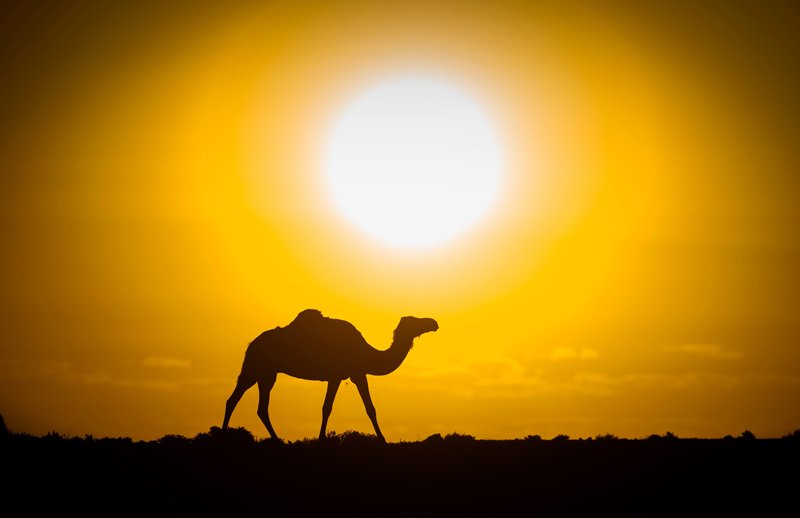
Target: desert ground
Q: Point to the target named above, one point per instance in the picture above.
(225, 471)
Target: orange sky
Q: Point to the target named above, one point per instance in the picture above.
(163, 202)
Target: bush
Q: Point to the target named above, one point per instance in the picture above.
(229, 436)
(794, 436)
(747, 435)
(54, 437)
(350, 438)
(606, 437)
(458, 438)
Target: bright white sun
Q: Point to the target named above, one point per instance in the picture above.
(413, 161)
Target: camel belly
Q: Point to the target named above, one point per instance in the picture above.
(302, 360)
(315, 374)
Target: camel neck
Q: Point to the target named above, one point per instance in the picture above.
(389, 360)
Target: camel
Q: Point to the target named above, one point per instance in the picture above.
(316, 347)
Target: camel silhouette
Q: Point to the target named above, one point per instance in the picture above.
(315, 347)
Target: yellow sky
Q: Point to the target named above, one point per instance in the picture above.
(163, 202)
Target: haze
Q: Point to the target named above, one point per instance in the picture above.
(163, 202)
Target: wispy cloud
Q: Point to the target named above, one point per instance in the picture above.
(509, 378)
(76, 374)
(163, 362)
(567, 353)
(708, 350)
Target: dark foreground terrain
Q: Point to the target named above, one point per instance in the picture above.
(221, 473)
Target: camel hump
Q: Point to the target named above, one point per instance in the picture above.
(311, 324)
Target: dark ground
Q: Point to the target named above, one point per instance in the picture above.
(221, 473)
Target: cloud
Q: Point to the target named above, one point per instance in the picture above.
(708, 350)
(76, 374)
(162, 362)
(568, 353)
(510, 378)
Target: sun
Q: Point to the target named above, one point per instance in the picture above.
(413, 161)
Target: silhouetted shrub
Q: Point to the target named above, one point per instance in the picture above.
(458, 438)
(332, 438)
(670, 436)
(346, 438)
(354, 438)
(54, 437)
(561, 438)
(606, 437)
(793, 436)
(306, 440)
(653, 437)
(533, 438)
(229, 437)
(747, 435)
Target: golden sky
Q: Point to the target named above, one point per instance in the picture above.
(163, 201)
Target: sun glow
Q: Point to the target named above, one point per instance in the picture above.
(413, 162)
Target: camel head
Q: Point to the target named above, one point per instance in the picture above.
(412, 327)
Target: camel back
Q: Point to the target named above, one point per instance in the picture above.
(311, 329)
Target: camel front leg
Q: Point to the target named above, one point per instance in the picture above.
(264, 388)
(363, 390)
(327, 406)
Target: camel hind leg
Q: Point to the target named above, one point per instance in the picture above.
(264, 388)
(241, 387)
